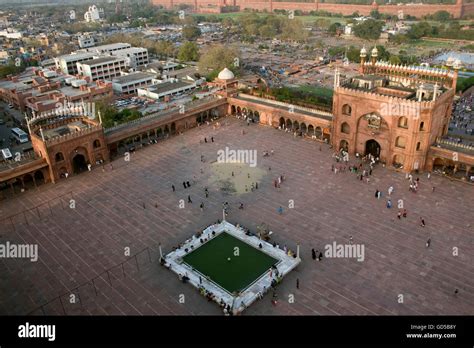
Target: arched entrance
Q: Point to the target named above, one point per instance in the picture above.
(372, 147)
(28, 182)
(318, 132)
(79, 163)
(303, 128)
(39, 177)
(282, 122)
(344, 145)
(233, 110)
(79, 160)
(256, 117)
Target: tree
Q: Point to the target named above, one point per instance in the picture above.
(375, 14)
(219, 57)
(191, 32)
(164, 49)
(395, 60)
(322, 23)
(267, 31)
(333, 28)
(419, 30)
(293, 29)
(228, 23)
(441, 16)
(189, 51)
(369, 29)
(111, 116)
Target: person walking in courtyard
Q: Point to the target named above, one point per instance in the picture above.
(320, 256)
(280, 210)
(297, 283)
(184, 184)
(201, 206)
(390, 190)
(189, 199)
(212, 139)
(172, 186)
(389, 203)
(428, 242)
(404, 213)
(422, 222)
(313, 254)
(399, 215)
(205, 140)
(188, 184)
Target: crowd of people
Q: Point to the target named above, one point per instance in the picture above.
(462, 119)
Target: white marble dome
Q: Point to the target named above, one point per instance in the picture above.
(225, 74)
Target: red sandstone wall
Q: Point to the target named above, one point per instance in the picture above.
(346, 9)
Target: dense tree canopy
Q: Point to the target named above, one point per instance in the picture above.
(111, 116)
(369, 29)
(189, 51)
(219, 57)
(191, 32)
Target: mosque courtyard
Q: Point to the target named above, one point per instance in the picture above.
(99, 233)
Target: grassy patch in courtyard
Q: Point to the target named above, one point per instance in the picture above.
(236, 274)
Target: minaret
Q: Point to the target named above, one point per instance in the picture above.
(435, 91)
(363, 55)
(374, 55)
(420, 91)
(456, 66)
(337, 78)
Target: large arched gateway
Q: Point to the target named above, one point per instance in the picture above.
(79, 160)
(372, 147)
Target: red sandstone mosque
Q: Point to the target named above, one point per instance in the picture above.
(399, 114)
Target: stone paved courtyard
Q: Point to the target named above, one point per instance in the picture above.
(133, 206)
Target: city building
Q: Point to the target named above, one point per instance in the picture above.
(130, 83)
(136, 56)
(107, 49)
(93, 14)
(86, 92)
(68, 63)
(165, 89)
(104, 68)
(86, 41)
